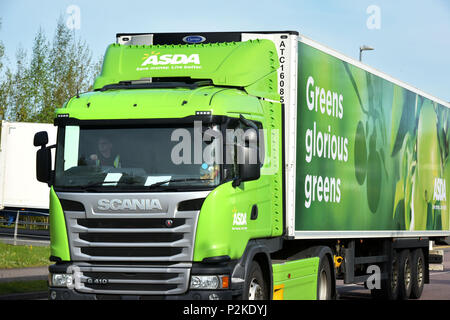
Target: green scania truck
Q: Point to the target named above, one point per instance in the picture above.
(243, 165)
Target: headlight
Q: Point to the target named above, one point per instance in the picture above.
(60, 280)
(209, 282)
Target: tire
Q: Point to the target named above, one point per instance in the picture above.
(404, 275)
(417, 273)
(324, 279)
(255, 286)
(389, 287)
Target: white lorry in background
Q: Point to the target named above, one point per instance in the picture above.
(18, 185)
(20, 192)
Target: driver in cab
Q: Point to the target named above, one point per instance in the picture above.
(105, 156)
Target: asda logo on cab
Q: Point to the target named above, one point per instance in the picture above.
(170, 61)
(239, 220)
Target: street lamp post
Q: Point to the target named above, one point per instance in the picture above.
(364, 48)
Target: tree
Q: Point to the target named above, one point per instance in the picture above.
(71, 66)
(38, 78)
(3, 92)
(96, 70)
(2, 49)
(55, 72)
(19, 95)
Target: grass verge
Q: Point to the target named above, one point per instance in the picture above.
(23, 256)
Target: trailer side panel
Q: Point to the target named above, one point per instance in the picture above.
(372, 155)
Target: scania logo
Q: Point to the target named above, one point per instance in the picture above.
(129, 204)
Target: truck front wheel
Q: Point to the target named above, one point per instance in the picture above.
(255, 286)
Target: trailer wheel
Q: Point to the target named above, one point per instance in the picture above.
(417, 273)
(389, 286)
(404, 275)
(324, 279)
(255, 287)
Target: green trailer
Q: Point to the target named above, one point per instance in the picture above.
(243, 165)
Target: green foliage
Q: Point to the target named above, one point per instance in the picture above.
(55, 71)
(19, 98)
(2, 85)
(23, 256)
(2, 49)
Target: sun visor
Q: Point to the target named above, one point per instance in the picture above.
(237, 64)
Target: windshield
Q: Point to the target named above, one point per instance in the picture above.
(143, 158)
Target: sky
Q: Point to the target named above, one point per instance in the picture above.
(411, 38)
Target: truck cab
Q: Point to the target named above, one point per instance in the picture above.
(162, 174)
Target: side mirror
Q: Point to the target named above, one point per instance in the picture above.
(249, 172)
(43, 157)
(40, 139)
(249, 165)
(43, 165)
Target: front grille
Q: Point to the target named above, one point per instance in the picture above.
(134, 280)
(115, 239)
(122, 245)
(131, 287)
(119, 223)
(118, 239)
(130, 237)
(130, 252)
(130, 275)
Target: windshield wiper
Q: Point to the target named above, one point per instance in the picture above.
(90, 186)
(160, 183)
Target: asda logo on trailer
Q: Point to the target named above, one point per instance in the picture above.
(439, 190)
(170, 59)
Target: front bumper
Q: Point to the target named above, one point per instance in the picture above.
(71, 293)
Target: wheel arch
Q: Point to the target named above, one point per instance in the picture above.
(258, 250)
(264, 262)
(322, 252)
